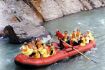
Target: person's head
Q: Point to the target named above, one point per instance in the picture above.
(30, 45)
(25, 43)
(88, 31)
(73, 31)
(81, 38)
(65, 32)
(39, 41)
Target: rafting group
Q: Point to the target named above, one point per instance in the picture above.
(75, 38)
(37, 49)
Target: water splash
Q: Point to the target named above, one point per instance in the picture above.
(79, 23)
(102, 21)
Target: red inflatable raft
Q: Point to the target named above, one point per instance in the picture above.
(21, 59)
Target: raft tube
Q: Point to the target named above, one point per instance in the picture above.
(24, 60)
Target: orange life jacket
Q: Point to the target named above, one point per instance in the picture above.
(73, 35)
(78, 34)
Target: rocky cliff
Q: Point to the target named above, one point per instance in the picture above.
(24, 20)
(26, 15)
(52, 9)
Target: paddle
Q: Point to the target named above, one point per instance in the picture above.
(80, 52)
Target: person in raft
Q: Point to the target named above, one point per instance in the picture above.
(45, 50)
(42, 48)
(66, 37)
(36, 53)
(60, 38)
(52, 49)
(26, 49)
(85, 38)
(89, 34)
(78, 33)
(82, 40)
(37, 49)
(64, 40)
(74, 39)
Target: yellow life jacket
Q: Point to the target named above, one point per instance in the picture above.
(87, 40)
(90, 36)
(37, 54)
(65, 37)
(44, 53)
(83, 42)
(78, 34)
(73, 37)
(40, 49)
(27, 51)
(52, 49)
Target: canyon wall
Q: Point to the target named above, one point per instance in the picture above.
(26, 16)
(23, 19)
(52, 9)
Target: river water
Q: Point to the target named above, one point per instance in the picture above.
(90, 20)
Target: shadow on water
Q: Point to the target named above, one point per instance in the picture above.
(92, 20)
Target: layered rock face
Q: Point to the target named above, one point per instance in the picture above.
(26, 15)
(69, 6)
(23, 19)
(51, 9)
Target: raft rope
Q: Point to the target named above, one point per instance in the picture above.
(80, 52)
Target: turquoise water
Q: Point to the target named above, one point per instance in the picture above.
(90, 20)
